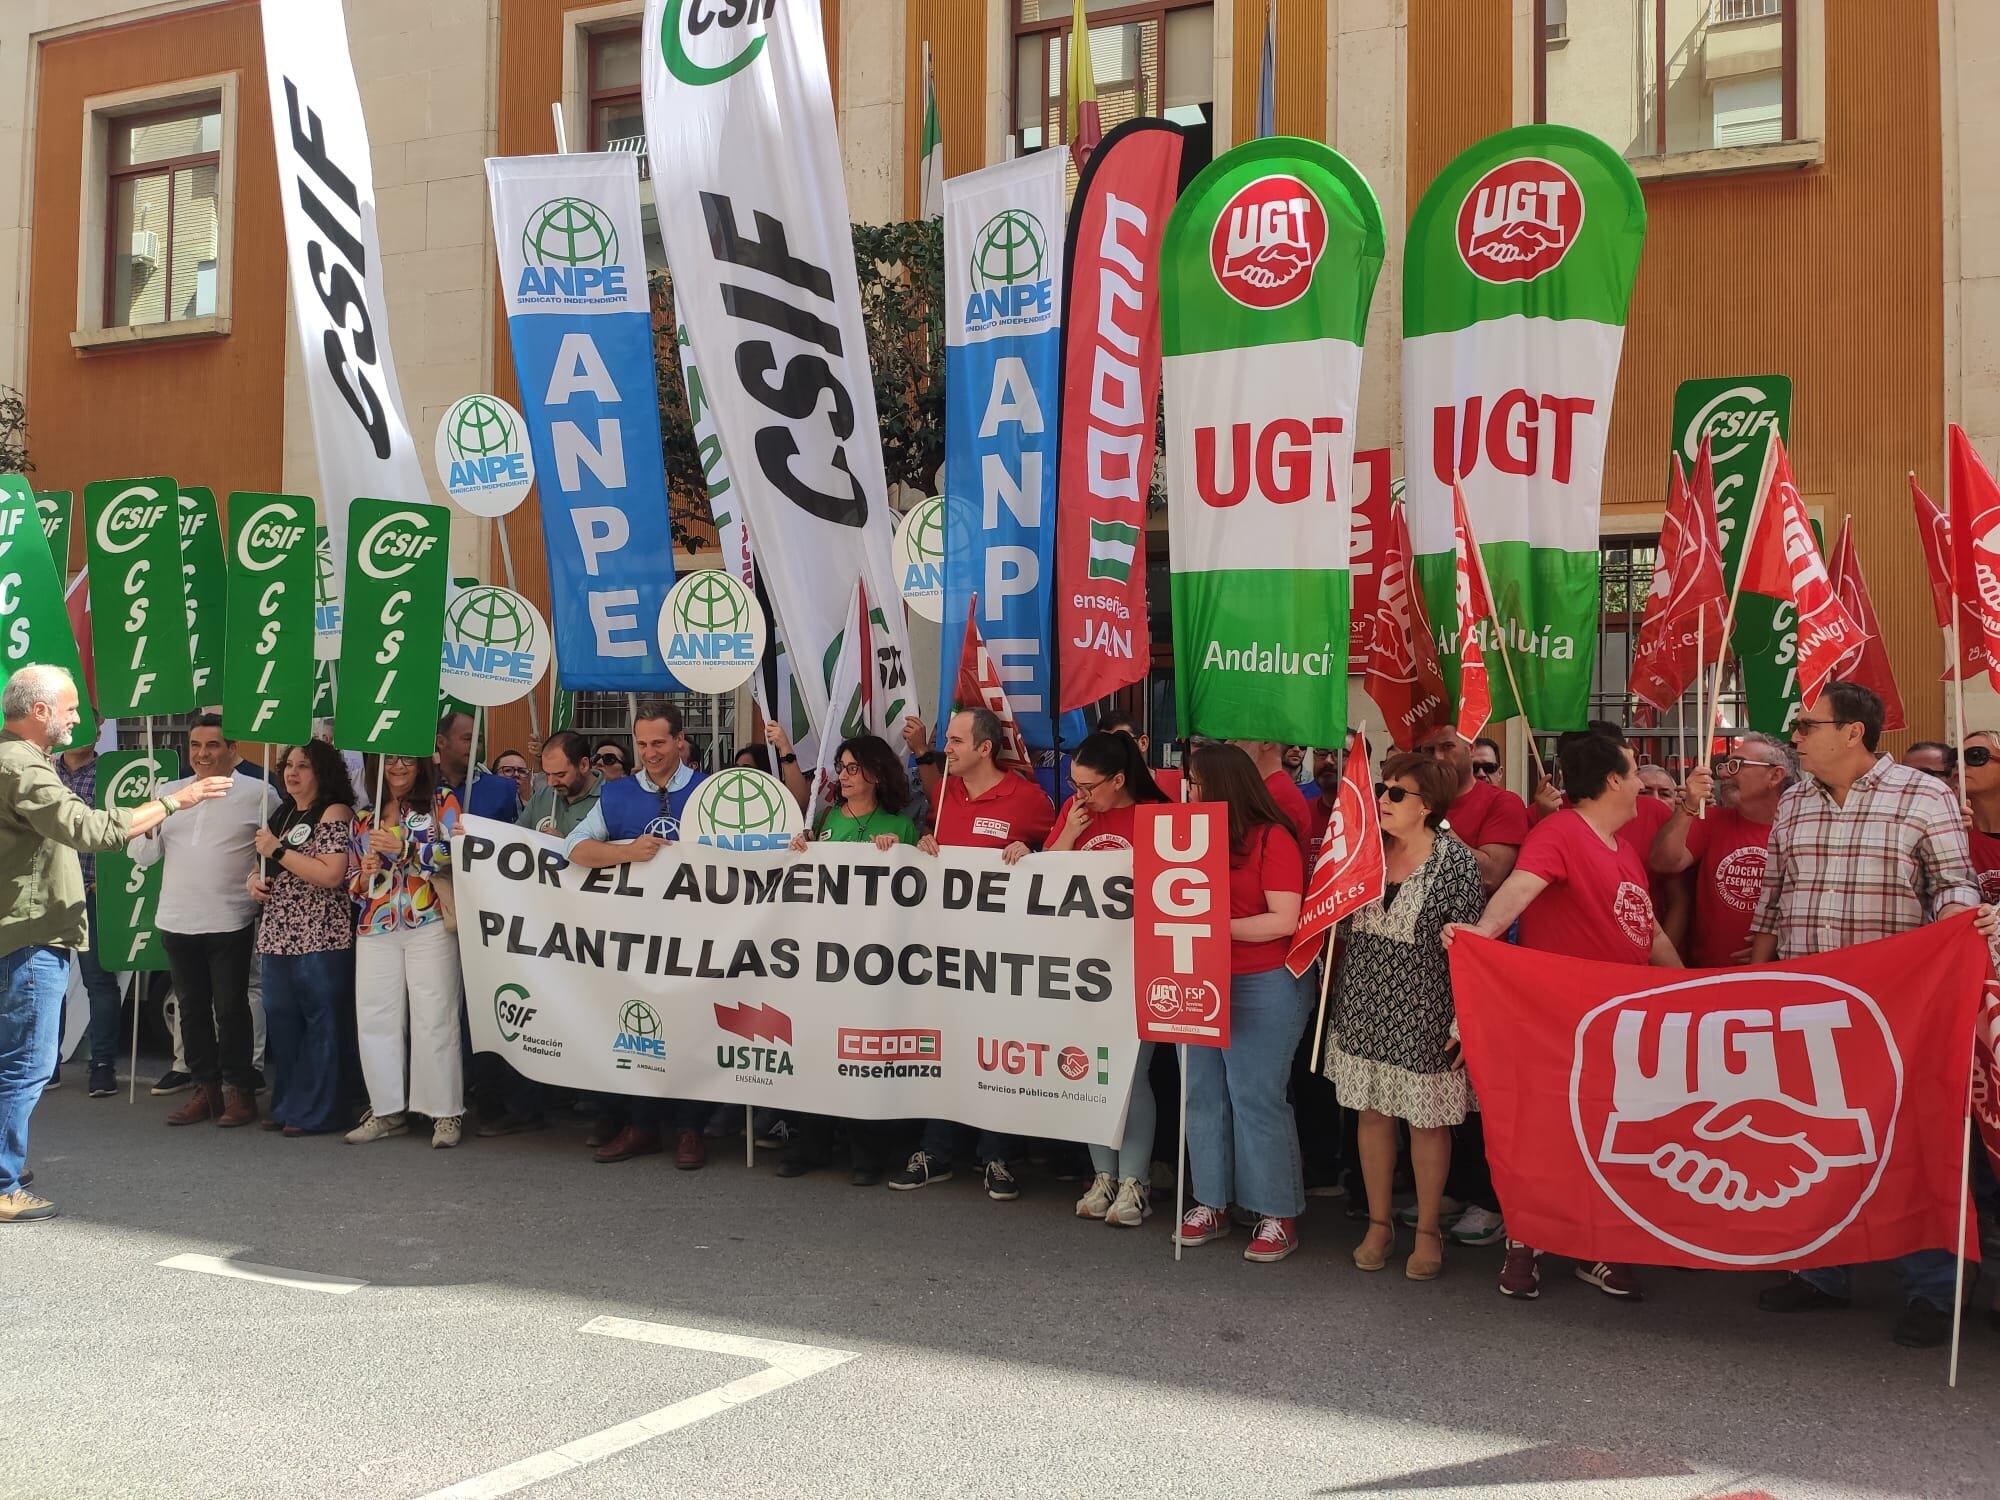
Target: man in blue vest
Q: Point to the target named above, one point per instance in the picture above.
(635, 818)
(493, 796)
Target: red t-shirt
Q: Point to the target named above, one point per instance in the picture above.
(1271, 863)
(1596, 904)
(1986, 862)
(1729, 857)
(1487, 814)
(1292, 803)
(1108, 830)
(1012, 810)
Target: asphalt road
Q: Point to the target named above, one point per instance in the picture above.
(533, 1323)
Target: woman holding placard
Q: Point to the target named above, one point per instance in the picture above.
(1242, 1140)
(406, 956)
(306, 939)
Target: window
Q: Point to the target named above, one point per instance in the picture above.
(1658, 78)
(612, 94)
(163, 220)
(1154, 59)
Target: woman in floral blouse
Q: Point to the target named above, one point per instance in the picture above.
(306, 939)
(406, 958)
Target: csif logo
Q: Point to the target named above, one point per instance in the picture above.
(707, 41)
(569, 254)
(1731, 420)
(1009, 284)
(128, 517)
(267, 536)
(391, 547)
(511, 1011)
(133, 783)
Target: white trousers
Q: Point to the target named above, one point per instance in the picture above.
(406, 1014)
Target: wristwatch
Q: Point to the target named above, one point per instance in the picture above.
(171, 804)
(788, 759)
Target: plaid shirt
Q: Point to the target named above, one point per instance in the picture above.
(83, 785)
(1888, 859)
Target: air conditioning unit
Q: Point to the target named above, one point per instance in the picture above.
(145, 248)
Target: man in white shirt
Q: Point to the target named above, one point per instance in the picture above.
(207, 925)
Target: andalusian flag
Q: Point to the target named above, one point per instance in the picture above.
(932, 152)
(1113, 546)
(1085, 131)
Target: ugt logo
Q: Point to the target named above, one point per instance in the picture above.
(1267, 241)
(707, 41)
(1519, 220)
(1704, 1121)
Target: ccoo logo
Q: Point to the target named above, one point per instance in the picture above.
(706, 41)
(1267, 241)
(1692, 1122)
(1519, 220)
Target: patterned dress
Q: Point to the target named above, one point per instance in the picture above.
(300, 917)
(403, 893)
(1392, 1016)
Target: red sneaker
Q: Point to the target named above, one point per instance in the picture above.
(691, 1151)
(1274, 1239)
(1521, 1272)
(1612, 1279)
(1201, 1224)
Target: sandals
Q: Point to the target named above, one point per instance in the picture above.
(1366, 1262)
(1426, 1270)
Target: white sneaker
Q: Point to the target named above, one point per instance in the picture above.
(446, 1131)
(1133, 1204)
(374, 1127)
(1096, 1203)
(1449, 1208)
(1477, 1226)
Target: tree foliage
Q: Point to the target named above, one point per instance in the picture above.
(13, 432)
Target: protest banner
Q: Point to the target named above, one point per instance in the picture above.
(1734, 413)
(1110, 397)
(137, 603)
(205, 580)
(496, 647)
(1180, 944)
(757, 228)
(1804, 1113)
(326, 182)
(1517, 275)
(56, 507)
(1400, 674)
(128, 894)
(1781, 561)
(844, 981)
(34, 623)
(572, 258)
(1376, 493)
(483, 457)
(267, 678)
(398, 559)
(1270, 263)
(920, 558)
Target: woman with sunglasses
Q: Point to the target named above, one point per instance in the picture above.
(306, 939)
(1110, 780)
(1981, 761)
(406, 958)
(1242, 1139)
(611, 762)
(1390, 1043)
(874, 790)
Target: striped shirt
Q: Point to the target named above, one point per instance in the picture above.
(1890, 858)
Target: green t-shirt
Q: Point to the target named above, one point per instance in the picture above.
(836, 827)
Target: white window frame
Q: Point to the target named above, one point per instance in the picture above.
(100, 112)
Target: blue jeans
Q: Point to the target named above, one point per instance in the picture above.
(105, 1002)
(1242, 1140)
(943, 1139)
(1927, 1276)
(32, 981)
(304, 997)
(1134, 1156)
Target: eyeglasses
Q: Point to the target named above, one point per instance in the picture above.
(847, 767)
(1975, 756)
(515, 773)
(1083, 788)
(399, 760)
(1395, 794)
(1734, 765)
(1804, 725)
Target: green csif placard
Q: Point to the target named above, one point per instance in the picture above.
(128, 894)
(56, 506)
(392, 627)
(138, 608)
(267, 679)
(34, 626)
(204, 579)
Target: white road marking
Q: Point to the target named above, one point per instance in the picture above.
(784, 1364)
(243, 1270)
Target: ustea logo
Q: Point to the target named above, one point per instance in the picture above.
(1011, 286)
(1267, 241)
(755, 1024)
(1698, 1123)
(1519, 220)
(569, 254)
(706, 41)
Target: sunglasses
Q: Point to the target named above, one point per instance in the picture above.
(1974, 756)
(1481, 768)
(606, 758)
(1395, 794)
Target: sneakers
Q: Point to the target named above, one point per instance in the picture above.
(374, 1127)
(1611, 1278)
(1201, 1224)
(1274, 1239)
(690, 1151)
(1796, 1294)
(1133, 1205)
(1521, 1272)
(103, 1081)
(447, 1131)
(173, 1081)
(23, 1207)
(1096, 1203)
(1449, 1208)
(921, 1172)
(204, 1103)
(1476, 1226)
(775, 1136)
(1000, 1184)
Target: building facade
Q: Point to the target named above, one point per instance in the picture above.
(1811, 170)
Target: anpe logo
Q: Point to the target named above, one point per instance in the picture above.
(1009, 254)
(1519, 220)
(127, 518)
(482, 452)
(266, 537)
(391, 547)
(743, 808)
(711, 631)
(706, 41)
(920, 557)
(569, 250)
(511, 1012)
(477, 426)
(1701, 1120)
(1267, 241)
(638, 1040)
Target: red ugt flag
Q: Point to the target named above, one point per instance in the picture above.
(1781, 561)
(1475, 606)
(1688, 592)
(979, 685)
(1805, 1113)
(1870, 667)
(1986, 1071)
(1350, 871)
(1975, 551)
(1401, 674)
(1934, 530)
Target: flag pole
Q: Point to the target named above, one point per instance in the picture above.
(1476, 560)
(138, 987)
(1325, 976)
(1764, 475)
(1964, 1188)
(1180, 1161)
(1700, 699)
(1955, 669)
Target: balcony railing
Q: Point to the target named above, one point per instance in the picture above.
(636, 144)
(1743, 10)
